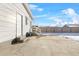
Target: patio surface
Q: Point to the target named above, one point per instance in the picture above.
(41, 46)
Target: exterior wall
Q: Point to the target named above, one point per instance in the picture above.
(7, 22)
(43, 29)
(8, 17)
(60, 29)
(52, 30)
(66, 29)
(75, 29)
(47, 29)
(24, 13)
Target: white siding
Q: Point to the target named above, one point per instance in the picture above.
(18, 25)
(24, 13)
(7, 23)
(8, 17)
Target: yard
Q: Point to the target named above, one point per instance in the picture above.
(42, 46)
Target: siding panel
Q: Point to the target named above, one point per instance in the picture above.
(7, 23)
(8, 19)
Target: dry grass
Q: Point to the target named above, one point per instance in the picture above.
(42, 46)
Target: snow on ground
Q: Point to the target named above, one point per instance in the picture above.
(74, 36)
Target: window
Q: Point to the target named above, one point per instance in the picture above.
(25, 20)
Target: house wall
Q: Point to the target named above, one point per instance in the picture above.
(8, 17)
(57, 29)
(66, 29)
(60, 29)
(51, 29)
(75, 29)
(43, 29)
(47, 29)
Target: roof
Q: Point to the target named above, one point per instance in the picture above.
(28, 9)
(72, 25)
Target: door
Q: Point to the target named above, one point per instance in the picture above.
(19, 25)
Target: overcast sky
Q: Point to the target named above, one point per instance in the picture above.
(54, 14)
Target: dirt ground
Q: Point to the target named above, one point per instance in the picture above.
(41, 46)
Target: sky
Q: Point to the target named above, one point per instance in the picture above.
(54, 14)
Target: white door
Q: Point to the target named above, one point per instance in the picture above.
(18, 27)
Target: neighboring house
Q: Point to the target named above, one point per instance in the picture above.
(42, 30)
(45, 29)
(36, 29)
(74, 28)
(58, 29)
(66, 28)
(15, 20)
(50, 29)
